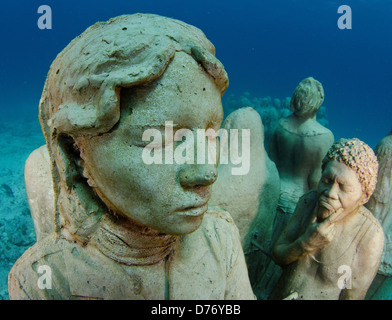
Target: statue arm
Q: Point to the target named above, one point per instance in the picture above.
(365, 265)
(304, 234)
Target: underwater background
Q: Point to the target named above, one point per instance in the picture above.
(266, 46)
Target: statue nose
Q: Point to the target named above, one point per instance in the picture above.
(198, 175)
(332, 191)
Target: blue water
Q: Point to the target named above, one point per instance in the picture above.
(266, 46)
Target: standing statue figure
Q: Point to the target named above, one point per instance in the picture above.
(297, 146)
(250, 198)
(331, 248)
(380, 204)
(125, 227)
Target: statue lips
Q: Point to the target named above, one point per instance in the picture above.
(193, 211)
(328, 205)
(202, 194)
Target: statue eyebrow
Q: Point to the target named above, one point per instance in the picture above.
(153, 126)
(344, 181)
(335, 177)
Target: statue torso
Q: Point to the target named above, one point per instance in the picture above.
(207, 264)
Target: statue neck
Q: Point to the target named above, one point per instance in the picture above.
(130, 243)
(305, 117)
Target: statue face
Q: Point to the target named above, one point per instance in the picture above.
(170, 198)
(339, 188)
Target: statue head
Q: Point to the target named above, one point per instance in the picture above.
(349, 175)
(307, 98)
(103, 90)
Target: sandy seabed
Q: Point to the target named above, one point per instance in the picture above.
(18, 138)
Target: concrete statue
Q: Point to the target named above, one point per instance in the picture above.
(297, 146)
(380, 204)
(331, 249)
(124, 228)
(39, 190)
(251, 198)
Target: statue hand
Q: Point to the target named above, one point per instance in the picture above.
(320, 234)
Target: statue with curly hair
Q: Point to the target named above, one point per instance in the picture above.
(124, 228)
(332, 246)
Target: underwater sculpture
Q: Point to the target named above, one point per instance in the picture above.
(380, 204)
(297, 146)
(39, 190)
(332, 246)
(250, 199)
(125, 229)
(271, 110)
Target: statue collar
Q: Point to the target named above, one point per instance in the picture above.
(130, 243)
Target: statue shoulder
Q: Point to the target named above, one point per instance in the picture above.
(313, 128)
(217, 216)
(308, 128)
(223, 240)
(219, 225)
(371, 220)
(47, 247)
(44, 258)
(370, 242)
(216, 212)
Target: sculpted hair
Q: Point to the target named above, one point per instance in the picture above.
(308, 97)
(358, 156)
(81, 97)
(82, 91)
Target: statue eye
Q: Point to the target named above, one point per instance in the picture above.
(151, 138)
(346, 188)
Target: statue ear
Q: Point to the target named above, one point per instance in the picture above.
(364, 198)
